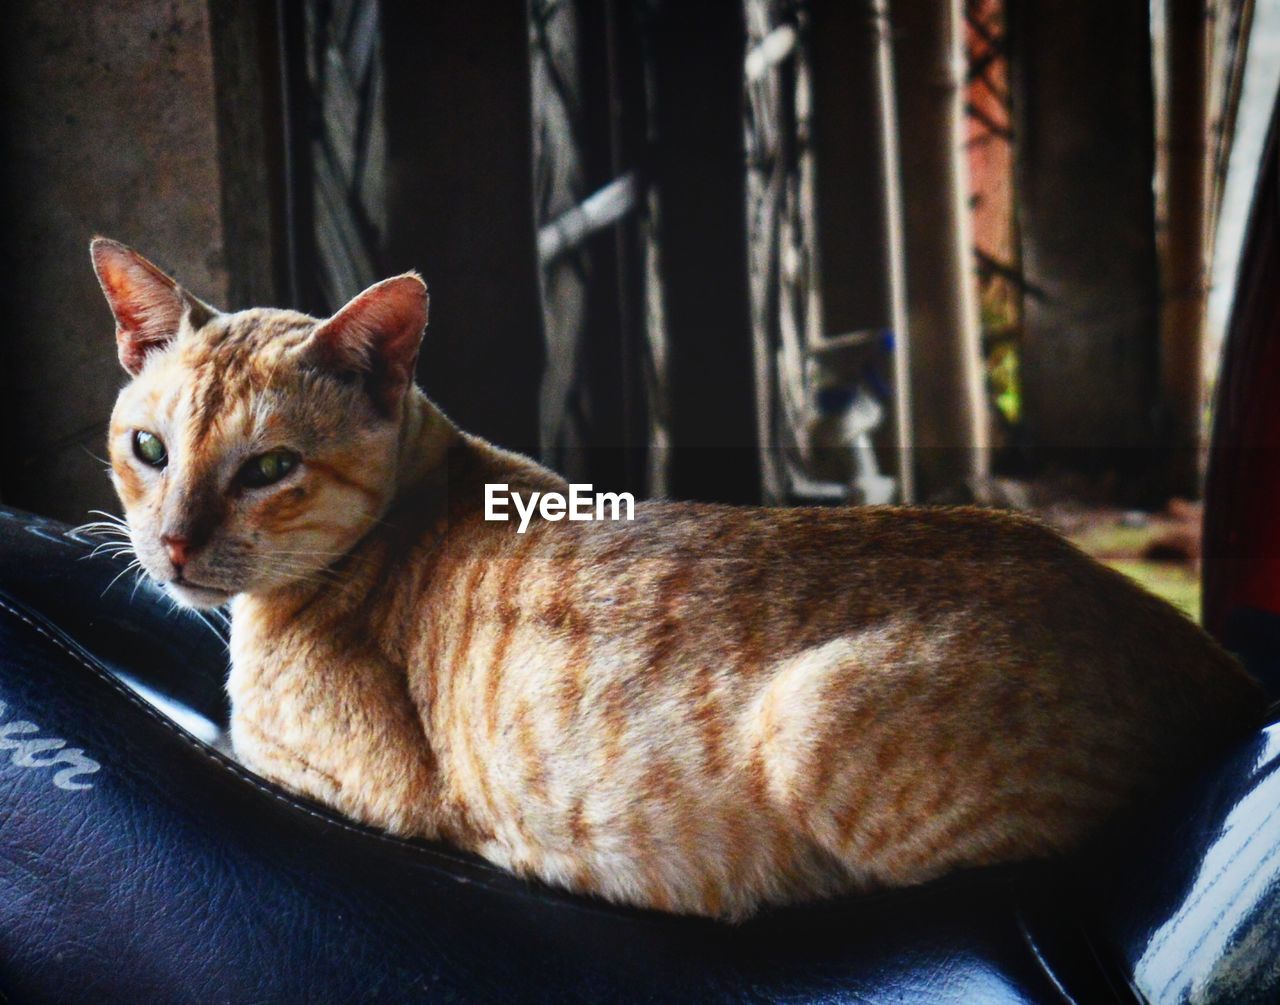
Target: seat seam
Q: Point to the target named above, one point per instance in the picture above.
(207, 754)
(489, 876)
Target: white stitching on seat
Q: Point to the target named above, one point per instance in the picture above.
(225, 763)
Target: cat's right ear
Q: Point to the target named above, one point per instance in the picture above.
(148, 306)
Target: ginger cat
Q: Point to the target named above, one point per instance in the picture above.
(706, 710)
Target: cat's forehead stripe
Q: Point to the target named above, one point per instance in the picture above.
(235, 355)
(208, 397)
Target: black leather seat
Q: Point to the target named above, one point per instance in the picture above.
(169, 874)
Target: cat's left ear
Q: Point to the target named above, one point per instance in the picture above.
(377, 336)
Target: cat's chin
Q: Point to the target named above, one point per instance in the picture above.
(202, 598)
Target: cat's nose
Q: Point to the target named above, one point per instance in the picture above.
(178, 547)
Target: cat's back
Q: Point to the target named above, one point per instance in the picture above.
(909, 689)
(979, 597)
(760, 584)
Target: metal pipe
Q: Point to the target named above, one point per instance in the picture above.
(599, 210)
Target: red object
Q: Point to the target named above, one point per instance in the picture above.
(1242, 498)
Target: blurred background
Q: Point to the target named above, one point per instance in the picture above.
(780, 251)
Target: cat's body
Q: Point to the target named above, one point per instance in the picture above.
(711, 708)
(704, 710)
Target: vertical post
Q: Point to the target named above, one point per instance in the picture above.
(696, 50)
(301, 272)
(1085, 147)
(628, 118)
(250, 113)
(1183, 258)
(949, 417)
(245, 39)
(562, 177)
(589, 129)
(858, 197)
(774, 182)
(460, 206)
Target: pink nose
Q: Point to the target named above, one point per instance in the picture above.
(178, 547)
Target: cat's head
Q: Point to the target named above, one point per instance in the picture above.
(252, 449)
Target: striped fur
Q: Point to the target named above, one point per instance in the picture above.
(705, 711)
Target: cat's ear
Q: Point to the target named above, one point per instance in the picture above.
(377, 336)
(148, 306)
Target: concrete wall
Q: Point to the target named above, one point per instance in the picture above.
(110, 127)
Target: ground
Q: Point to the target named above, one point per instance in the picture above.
(1161, 551)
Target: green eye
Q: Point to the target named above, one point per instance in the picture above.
(267, 468)
(148, 449)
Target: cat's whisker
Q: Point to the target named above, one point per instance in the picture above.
(112, 518)
(312, 554)
(199, 616)
(298, 561)
(98, 551)
(100, 527)
(310, 578)
(308, 574)
(112, 548)
(327, 570)
(96, 457)
(102, 530)
(139, 577)
(115, 579)
(308, 551)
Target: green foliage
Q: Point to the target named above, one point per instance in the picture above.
(1001, 341)
(1177, 584)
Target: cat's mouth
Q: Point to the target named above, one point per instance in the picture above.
(194, 594)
